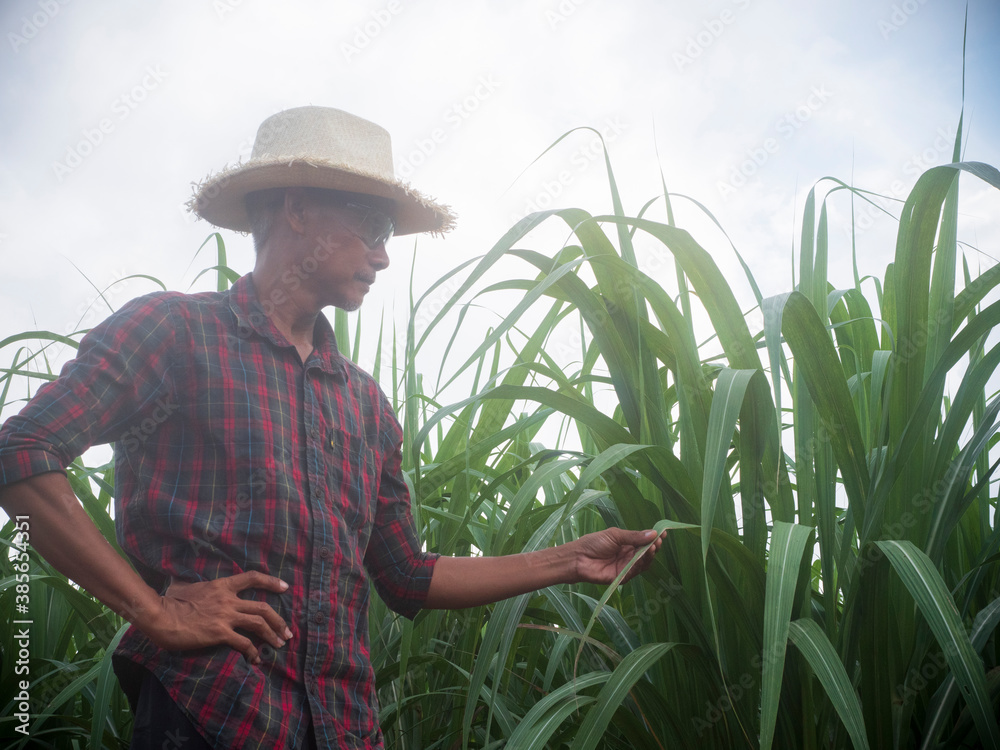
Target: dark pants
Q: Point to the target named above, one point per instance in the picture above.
(160, 724)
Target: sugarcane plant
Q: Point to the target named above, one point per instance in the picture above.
(830, 575)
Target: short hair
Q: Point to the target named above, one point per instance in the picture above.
(263, 205)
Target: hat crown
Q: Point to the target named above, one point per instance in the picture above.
(328, 134)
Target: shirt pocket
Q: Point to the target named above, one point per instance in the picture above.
(354, 483)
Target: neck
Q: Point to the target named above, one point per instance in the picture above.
(291, 308)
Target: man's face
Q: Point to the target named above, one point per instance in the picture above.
(348, 250)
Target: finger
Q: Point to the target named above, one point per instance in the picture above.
(658, 542)
(278, 627)
(258, 626)
(635, 538)
(642, 564)
(245, 646)
(254, 579)
(637, 569)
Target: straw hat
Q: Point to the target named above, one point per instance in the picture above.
(323, 148)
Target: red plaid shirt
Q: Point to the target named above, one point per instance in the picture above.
(231, 455)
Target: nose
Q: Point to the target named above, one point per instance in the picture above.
(378, 257)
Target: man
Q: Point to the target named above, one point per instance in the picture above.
(257, 471)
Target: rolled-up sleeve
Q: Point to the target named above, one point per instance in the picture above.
(120, 371)
(398, 566)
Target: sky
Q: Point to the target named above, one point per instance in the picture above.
(112, 110)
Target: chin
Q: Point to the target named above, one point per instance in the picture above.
(348, 305)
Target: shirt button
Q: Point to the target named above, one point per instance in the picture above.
(318, 618)
(314, 431)
(324, 553)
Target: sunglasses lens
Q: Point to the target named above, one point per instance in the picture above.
(372, 225)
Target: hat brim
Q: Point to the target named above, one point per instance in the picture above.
(220, 198)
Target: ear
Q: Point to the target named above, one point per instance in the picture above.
(296, 205)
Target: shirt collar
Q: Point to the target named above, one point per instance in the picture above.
(252, 317)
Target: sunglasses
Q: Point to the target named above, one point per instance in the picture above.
(371, 225)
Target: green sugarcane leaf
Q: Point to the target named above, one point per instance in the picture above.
(727, 403)
(944, 700)
(626, 674)
(812, 642)
(106, 683)
(788, 542)
(823, 373)
(931, 594)
(659, 527)
(542, 720)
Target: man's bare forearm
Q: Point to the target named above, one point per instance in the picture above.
(459, 582)
(68, 539)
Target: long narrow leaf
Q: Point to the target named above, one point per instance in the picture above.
(928, 590)
(812, 642)
(788, 542)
